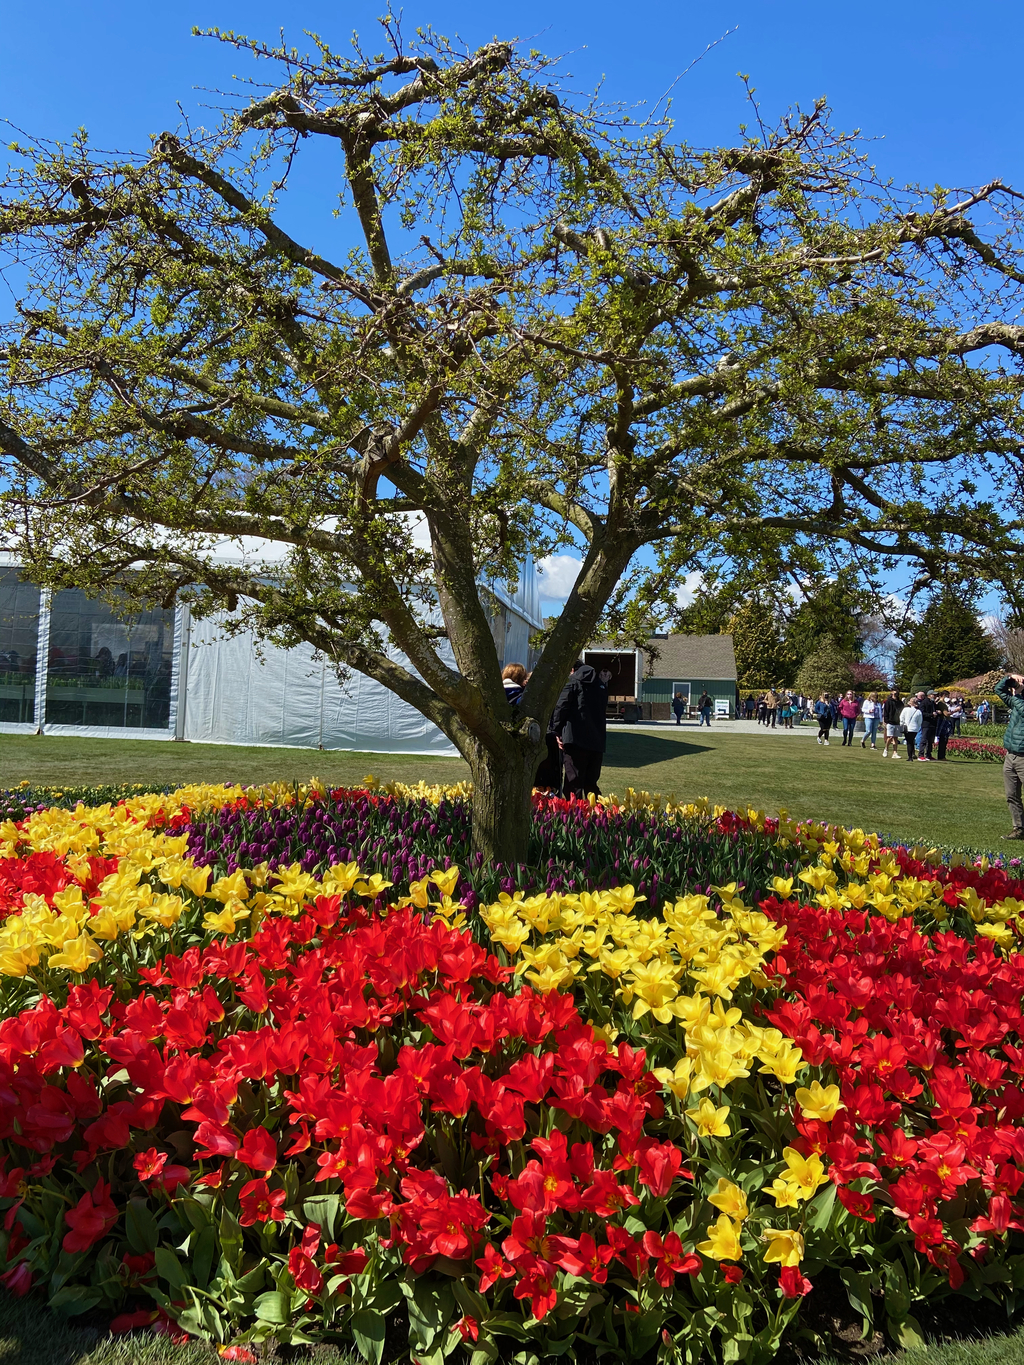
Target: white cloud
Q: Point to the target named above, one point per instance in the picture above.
(689, 588)
(558, 574)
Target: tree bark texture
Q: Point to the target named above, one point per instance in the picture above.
(502, 804)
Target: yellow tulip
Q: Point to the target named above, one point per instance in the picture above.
(230, 888)
(723, 1242)
(419, 896)
(730, 1199)
(709, 1120)
(548, 979)
(163, 910)
(786, 1194)
(340, 878)
(819, 1102)
(373, 887)
(197, 880)
(806, 1171)
(786, 1246)
(220, 921)
(78, 954)
(678, 1079)
(511, 936)
(445, 882)
(16, 962)
(784, 1065)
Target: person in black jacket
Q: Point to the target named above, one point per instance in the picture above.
(580, 723)
(891, 708)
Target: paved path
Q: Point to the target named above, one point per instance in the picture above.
(721, 727)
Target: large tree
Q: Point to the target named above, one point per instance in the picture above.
(831, 611)
(763, 658)
(949, 642)
(531, 323)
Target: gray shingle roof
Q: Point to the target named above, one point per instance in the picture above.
(681, 657)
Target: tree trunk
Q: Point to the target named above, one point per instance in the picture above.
(502, 808)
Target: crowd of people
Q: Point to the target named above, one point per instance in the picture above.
(923, 724)
(917, 728)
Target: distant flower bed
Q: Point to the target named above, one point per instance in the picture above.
(25, 799)
(255, 1088)
(976, 749)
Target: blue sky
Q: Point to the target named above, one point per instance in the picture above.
(936, 83)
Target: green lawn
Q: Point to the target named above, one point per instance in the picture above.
(29, 1336)
(957, 803)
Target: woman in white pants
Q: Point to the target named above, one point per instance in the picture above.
(871, 714)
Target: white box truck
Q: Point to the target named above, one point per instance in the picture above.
(626, 684)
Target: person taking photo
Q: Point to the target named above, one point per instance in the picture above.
(1009, 692)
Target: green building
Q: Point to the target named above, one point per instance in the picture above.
(690, 664)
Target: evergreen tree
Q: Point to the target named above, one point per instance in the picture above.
(763, 659)
(830, 611)
(948, 643)
(826, 669)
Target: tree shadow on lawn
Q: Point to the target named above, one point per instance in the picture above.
(641, 750)
(33, 1335)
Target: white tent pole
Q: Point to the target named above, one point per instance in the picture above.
(42, 659)
(179, 668)
(323, 678)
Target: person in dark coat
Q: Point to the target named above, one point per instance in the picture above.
(678, 707)
(580, 722)
(891, 709)
(929, 724)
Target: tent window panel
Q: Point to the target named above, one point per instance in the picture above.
(19, 641)
(107, 670)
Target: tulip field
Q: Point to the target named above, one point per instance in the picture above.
(286, 1065)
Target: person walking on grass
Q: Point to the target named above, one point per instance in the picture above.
(849, 710)
(891, 720)
(871, 713)
(823, 714)
(1010, 692)
(927, 705)
(910, 724)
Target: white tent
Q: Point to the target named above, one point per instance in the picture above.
(67, 666)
